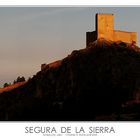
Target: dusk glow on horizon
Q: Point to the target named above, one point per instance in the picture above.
(30, 36)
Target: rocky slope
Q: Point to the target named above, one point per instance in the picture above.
(101, 82)
(11, 87)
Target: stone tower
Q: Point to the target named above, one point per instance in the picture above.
(105, 29)
(105, 26)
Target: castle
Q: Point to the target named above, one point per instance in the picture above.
(105, 29)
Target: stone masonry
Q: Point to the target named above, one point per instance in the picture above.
(105, 29)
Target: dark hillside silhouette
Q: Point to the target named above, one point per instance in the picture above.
(101, 82)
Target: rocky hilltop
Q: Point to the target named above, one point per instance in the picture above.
(100, 82)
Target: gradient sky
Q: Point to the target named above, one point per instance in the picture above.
(32, 36)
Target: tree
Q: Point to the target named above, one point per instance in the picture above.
(5, 85)
(20, 79)
(14, 82)
(29, 78)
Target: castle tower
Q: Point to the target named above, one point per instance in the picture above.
(105, 26)
(105, 29)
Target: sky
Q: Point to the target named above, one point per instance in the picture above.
(31, 36)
